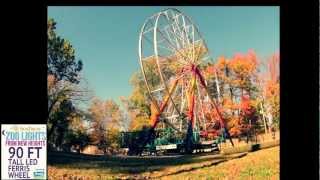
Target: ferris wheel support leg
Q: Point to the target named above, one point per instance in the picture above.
(156, 115)
(189, 141)
(214, 105)
(189, 137)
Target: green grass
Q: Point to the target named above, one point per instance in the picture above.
(262, 164)
(250, 147)
(259, 165)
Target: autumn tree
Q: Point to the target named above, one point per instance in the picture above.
(106, 123)
(237, 80)
(272, 91)
(243, 69)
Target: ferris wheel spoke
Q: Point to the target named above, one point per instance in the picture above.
(160, 32)
(170, 41)
(199, 53)
(186, 30)
(147, 31)
(184, 35)
(165, 48)
(186, 46)
(181, 63)
(168, 32)
(148, 40)
(179, 41)
(173, 30)
(196, 53)
(175, 20)
(173, 35)
(172, 46)
(182, 31)
(169, 58)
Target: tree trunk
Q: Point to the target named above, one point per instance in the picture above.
(217, 86)
(54, 124)
(266, 129)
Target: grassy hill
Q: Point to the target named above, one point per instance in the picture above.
(262, 164)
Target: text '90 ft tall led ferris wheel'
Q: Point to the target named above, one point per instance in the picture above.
(172, 55)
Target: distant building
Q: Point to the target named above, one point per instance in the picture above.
(91, 149)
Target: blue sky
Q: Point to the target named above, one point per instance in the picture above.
(106, 38)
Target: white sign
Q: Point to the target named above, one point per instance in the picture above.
(207, 142)
(169, 146)
(23, 151)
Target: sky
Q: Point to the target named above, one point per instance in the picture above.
(106, 38)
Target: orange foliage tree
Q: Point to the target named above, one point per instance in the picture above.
(237, 81)
(272, 91)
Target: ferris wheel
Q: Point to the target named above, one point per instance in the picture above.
(172, 56)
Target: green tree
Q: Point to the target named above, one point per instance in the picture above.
(138, 100)
(62, 63)
(63, 85)
(76, 136)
